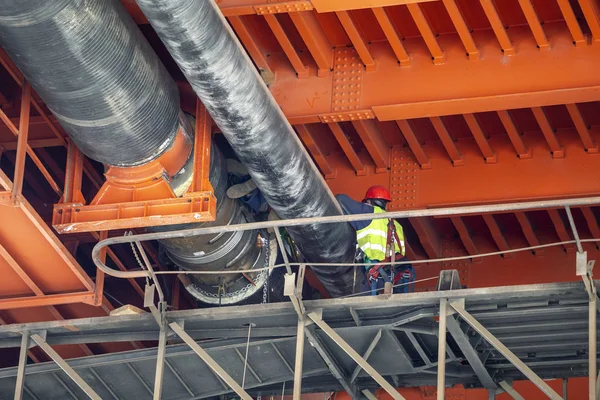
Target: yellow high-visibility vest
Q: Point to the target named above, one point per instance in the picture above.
(372, 239)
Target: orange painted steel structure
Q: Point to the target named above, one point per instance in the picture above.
(446, 102)
(141, 196)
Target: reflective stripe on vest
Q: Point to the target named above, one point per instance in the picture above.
(372, 239)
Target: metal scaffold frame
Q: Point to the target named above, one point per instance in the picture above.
(450, 304)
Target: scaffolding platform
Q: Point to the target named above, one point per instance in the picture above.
(544, 325)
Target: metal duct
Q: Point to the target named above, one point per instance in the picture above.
(224, 78)
(244, 250)
(93, 68)
(96, 72)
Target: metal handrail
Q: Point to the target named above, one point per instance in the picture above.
(435, 212)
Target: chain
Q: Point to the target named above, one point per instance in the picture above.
(265, 298)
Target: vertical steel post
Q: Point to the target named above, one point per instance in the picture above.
(22, 365)
(160, 363)
(22, 143)
(299, 360)
(592, 348)
(441, 373)
(564, 387)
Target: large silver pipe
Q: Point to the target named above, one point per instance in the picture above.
(224, 78)
(94, 69)
(96, 72)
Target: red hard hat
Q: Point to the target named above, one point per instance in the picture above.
(378, 192)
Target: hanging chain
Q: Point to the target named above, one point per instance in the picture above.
(265, 297)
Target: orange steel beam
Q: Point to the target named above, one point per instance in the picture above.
(515, 138)
(492, 14)
(592, 223)
(508, 180)
(248, 41)
(20, 272)
(315, 152)
(428, 236)
(374, 142)
(286, 45)
(392, 36)
(357, 40)
(447, 141)
(20, 80)
(561, 230)
(582, 129)
(549, 132)
(47, 300)
(25, 118)
(572, 23)
(414, 144)
(592, 16)
(534, 78)
(34, 144)
(337, 5)
(496, 233)
(534, 24)
(437, 55)
(480, 138)
(461, 27)
(464, 235)
(318, 45)
(347, 148)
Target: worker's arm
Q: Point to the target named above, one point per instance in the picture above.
(400, 233)
(351, 206)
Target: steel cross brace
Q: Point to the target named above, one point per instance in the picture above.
(318, 320)
(510, 356)
(332, 364)
(41, 342)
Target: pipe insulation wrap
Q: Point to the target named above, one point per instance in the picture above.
(96, 72)
(224, 78)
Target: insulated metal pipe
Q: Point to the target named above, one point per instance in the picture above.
(224, 78)
(96, 72)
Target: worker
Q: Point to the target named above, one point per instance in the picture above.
(379, 240)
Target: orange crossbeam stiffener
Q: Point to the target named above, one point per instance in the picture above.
(141, 196)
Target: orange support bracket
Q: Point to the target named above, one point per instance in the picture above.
(569, 15)
(461, 27)
(375, 143)
(141, 196)
(392, 37)
(528, 231)
(437, 55)
(582, 129)
(447, 141)
(492, 14)
(497, 235)
(534, 24)
(357, 40)
(414, 144)
(315, 151)
(315, 39)
(561, 230)
(286, 45)
(347, 148)
(480, 138)
(515, 138)
(465, 236)
(549, 133)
